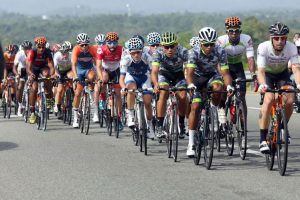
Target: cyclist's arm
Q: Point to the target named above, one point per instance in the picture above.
(251, 65)
(15, 69)
(190, 69)
(154, 74)
(296, 72)
(50, 65)
(5, 73)
(74, 62)
(99, 69)
(122, 81)
(261, 75)
(226, 76)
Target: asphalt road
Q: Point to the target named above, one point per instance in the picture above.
(61, 163)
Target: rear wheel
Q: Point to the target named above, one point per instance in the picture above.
(282, 142)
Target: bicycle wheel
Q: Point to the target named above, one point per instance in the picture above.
(209, 137)
(229, 134)
(38, 112)
(135, 131)
(142, 128)
(87, 113)
(282, 142)
(241, 128)
(8, 104)
(198, 140)
(116, 117)
(44, 112)
(175, 135)
(25, 103)
(166, 128)
(109, 120)
(271, 155)
(69, 105)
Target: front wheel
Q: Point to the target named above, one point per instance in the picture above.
(282, 142)
(241, 128)
(209, 134)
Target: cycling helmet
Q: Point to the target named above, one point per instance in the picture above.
(140, 37)
(126, 44)
(47, 45)
(278, 29)
(231, 22)
(168, 38)
(10, 48)
(40, 40)
(26, 44)
(16, 48)
(207, 35)
(153, 38)
(297, 42)
(66, 46)
(56, 47)
(100, 38)
(112, 36)
(83, 38)
(135, 44)
(194, 41)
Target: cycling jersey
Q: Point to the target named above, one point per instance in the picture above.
(207, 64)
(235, 52)
(276, 64)
(39, 60)
(110, 60)
(9, 62)
(136, 72)
(166, 64)
(20, 60)
(62, 63)
(84, 60)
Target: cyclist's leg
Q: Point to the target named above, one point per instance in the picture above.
(59, 94)
(48, 87)
(20, 90)
(33, 94)
(288, 98)
(182, 101)
(130, 84)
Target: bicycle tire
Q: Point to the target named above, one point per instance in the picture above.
(282, 142)
(270, 157)
(166, 128)
(241, 128)
(209, 137)
(175, 135)
(37, 112)
(8, 103)
(69, 105)
(87, 114)
(44, 112)
(116, 117)
(142, 128)
(198, 138)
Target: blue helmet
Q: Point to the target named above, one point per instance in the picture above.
(140, 37)
(153, 38)
(135, 44)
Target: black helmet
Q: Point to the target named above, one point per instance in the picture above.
(26, 44)
(278, 29)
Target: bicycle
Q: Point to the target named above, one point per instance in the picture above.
(140, 131)
(7, 98)
(277, 137)
(42, 112)
(236, 121)
(206, 134)
(112, 112)
(84, 111)
(67, 101)
(171, 122)
(25, 100)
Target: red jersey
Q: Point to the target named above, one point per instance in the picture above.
(39, 60)
(110, 60)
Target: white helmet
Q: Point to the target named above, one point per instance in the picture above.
(83, 38)
(100, 38)
(207, 35)
(66, 46)
(297, 42)
(194, 41)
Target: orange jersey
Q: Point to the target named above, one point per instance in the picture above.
(84, 59)
(9, 61)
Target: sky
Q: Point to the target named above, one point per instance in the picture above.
(86, 7)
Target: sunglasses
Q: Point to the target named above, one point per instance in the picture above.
(210, 44)
(83, 45)
(233, 30)
(41, 47)
(277, 38)
(112, 42)
(135, 52)
(169, 47)
(154, 45)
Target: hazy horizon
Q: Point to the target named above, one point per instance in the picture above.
(87, 7)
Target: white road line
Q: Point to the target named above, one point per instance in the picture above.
(250, 151)
(253, 108)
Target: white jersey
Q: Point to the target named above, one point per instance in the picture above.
(275, 64)
(235, 52)
(61, 63)
(20, 60)
(127, 65)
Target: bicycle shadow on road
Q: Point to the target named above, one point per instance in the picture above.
(7, 146)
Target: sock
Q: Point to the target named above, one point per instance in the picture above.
(263, 134)
(181, 119)
(191, 137)
(160, 121)
(59, 107)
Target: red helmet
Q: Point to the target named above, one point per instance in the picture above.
(112, 36)
(40, 40)
(56, 47)
(233, 22)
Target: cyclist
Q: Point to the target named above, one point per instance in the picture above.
(19, 69)
(167, 70)
(272, 63)
(55, 48)
(153, 40)
(9, 57)
(100, 41)
(39, 61)
(135, 73)
(108, 66)
(63, 67)
(194, 42)
(237, 44)
(83, 57)
(203, 66)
